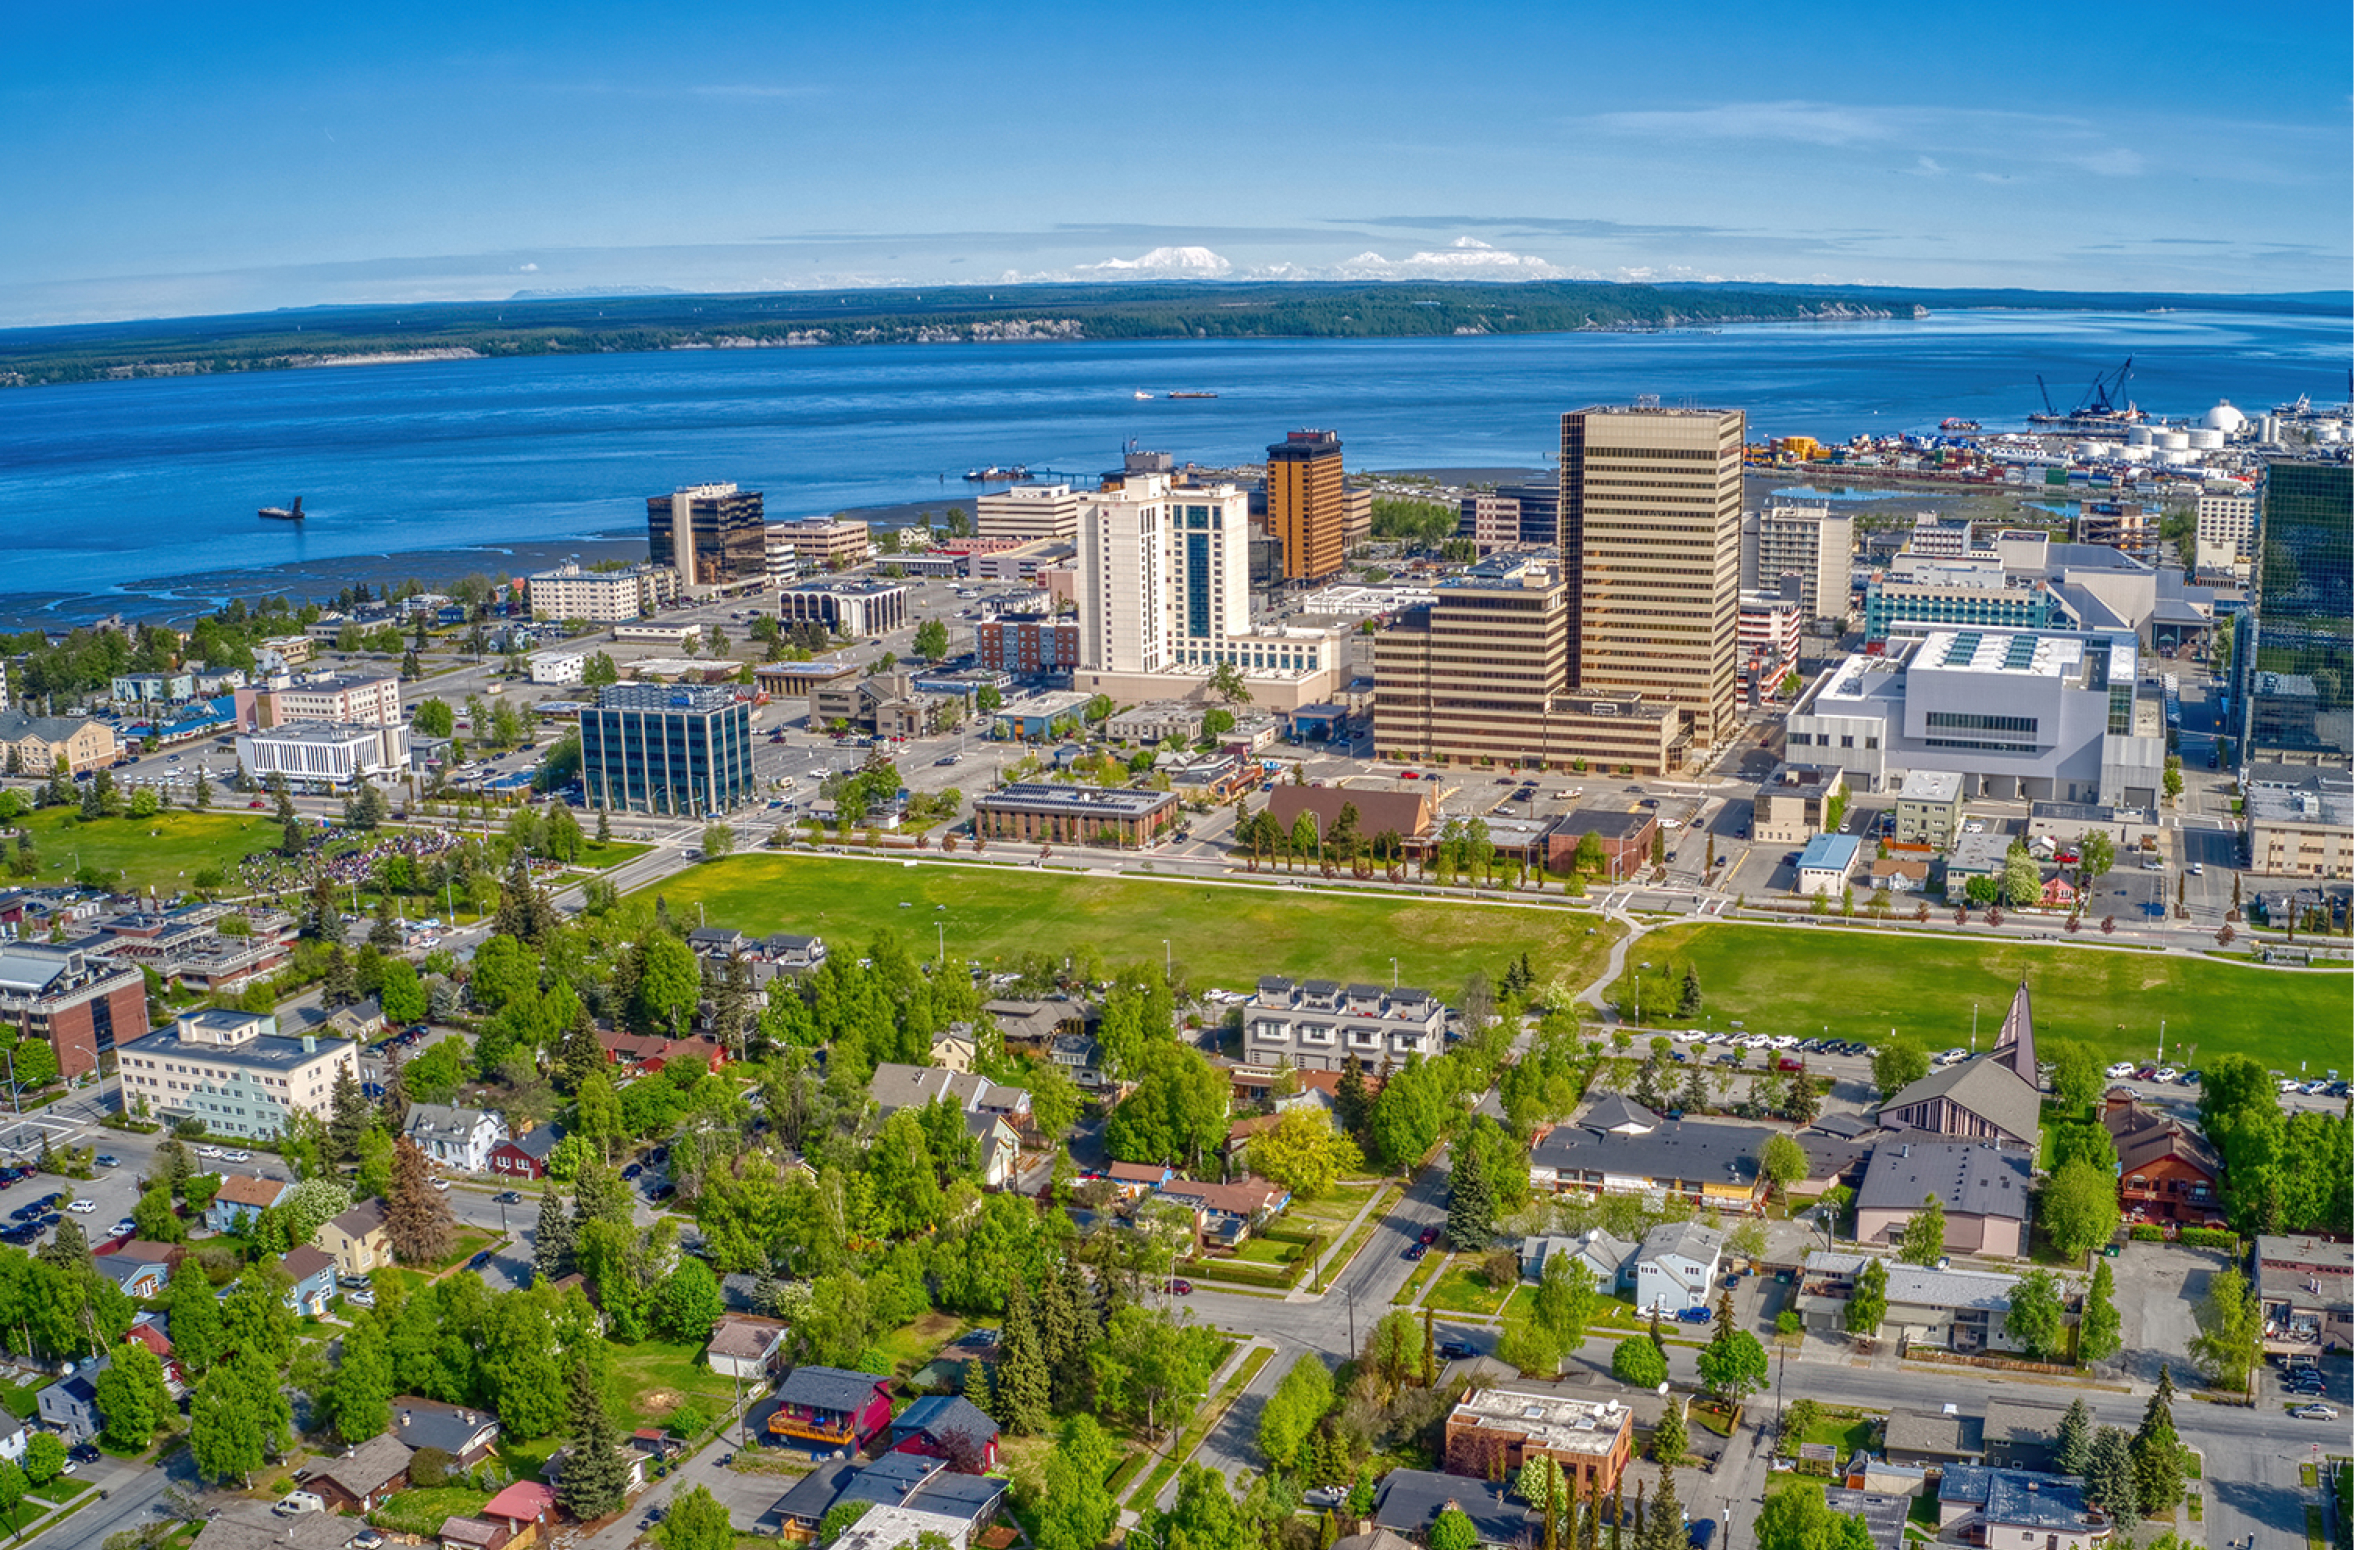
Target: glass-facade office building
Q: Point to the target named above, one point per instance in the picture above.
(648, 748)
(2297, 667)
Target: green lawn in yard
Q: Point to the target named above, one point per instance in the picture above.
(61, 1490)
(651, 1379)
(1849, 1434)
(1465, 1288)
(1786, 979)
(912, 1345)
(1225, 935)
(1267, 1251)
(422, 1512)
(22, 1399)
(165, 852)
(1336, 1207)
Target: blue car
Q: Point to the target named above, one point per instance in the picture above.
(479, 1260)
(1693, 1316)
(371, 1089)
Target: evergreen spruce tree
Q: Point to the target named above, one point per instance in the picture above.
(1350, 1104)
(2108, 1481)
(1670, 1441)
(979, 1392)
(551, 1245)
(2157, 1454)
(604, 827)
(1471, 1204)
(580, 1055)
(2074, 1450)
(1024, 1389)
(1658, 1335)
(1666, 1530)
(395, 1102)
(767, 1289)
(416, 1216)
(596, 1476)
(1589, 1536)
(341, 987)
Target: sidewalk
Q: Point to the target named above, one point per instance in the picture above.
(1325, 1269)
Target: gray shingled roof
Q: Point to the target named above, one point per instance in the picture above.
(1971, 1178)
(1984, 1086)
(1678, 1149)
(829, 1388)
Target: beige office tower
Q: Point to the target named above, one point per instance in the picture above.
(1651, 534)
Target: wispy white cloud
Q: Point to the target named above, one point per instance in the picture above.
(1927, 167)
(1809, 123)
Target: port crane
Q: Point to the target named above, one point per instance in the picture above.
(2105, 400)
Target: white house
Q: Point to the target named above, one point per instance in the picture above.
(1606, 1258)
(1675, 1265)
(454, 1137)
(558, 666)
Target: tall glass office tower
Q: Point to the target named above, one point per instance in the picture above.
(2297, 681)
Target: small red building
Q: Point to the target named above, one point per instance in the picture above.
(947, 1427)
(832, 1408)
(2166, 1171)
(526, 1156)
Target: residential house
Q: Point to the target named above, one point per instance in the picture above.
(1080, 1055)
(13, 1437)
(1318, 1024)
(1033, 1024)
(526, 1156)
(1934, 1438)
(361, 1020)
(954, 1505)
(998, 1149)
(1982, 1188)
(2023, 1433)
(2014, 1509)
(1492, 1429)
(455, 1137)
(1408, 1501)
(896, 1087)
(794, 954)
(141, 1267)
(1225, 1214)
(1900, 874)
(466, 1435)
(312, 1271)
(747, 1347)
(1675, 1265)
(1709, 1163)
(1607, 1259)
(241, 1198)
(831, 1407)
(633, 1463)
(527, 1508)
(357, 1239)
(2166, 1170)
(69, 1406)
(2306, 1285)
(250, 1525)
(953, 1048)
(720, 942)
(471, 1533)
(1132, 1180)
(359, 1481)
(947, 1427)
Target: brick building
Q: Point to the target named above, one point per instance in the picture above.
(77, 1001)
(1590, 1440)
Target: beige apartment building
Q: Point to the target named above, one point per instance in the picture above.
(234, 1071)
(820, 543)
(1029, 512)
(1813, 543)
(600, 596)
(1651, 513)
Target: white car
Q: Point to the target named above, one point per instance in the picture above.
(83, 1207)
(2169, 1074)
(2122, 1068)
(2315, 1413)
(208, 1151)
(441, 1184)
(240, 1156)
(1950, 1056)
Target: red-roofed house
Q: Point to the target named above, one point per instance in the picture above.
(527, 1507)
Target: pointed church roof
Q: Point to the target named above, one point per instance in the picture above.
(2018, 1036)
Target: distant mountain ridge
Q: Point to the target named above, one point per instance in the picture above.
(646, 318)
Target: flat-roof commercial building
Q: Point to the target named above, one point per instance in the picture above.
(1029, 511)
(856, 609)
(1792, 805)
(711, 534)
(1624, 836)
(1027, 644)
(319, 754)
(2300, 821)
(2019, 715)
(1827, 863)
(647, 748)
(1626, 1149)
(1813, 543)
(351, 699)
(233, 1071)
(80, 1002)
(1919, 592)
(1769, 629)
(599, 596)
(1490, 520)
(1318, 1024)
(1505, 1428)
(2297, 664)
(1651, 535)
(1307, 506)
(819, 544)
(1074, 815)
(1982, 1188)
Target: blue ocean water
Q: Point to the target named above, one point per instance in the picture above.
(113, 488)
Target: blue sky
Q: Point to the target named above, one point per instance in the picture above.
(174, 159)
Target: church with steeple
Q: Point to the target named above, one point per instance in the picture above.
(1991, 1097)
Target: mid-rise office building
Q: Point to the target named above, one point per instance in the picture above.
(1029, 511)
(648, 748)
(1540, 511)
(2298, 662)
(2300, 821)
(1307, 506)
(347, 699)
(600, 596)
(1482, 673)
(1771, 624)
(1490, 519)
(234, 1071)
(1812, 543)
(317, 755)
(1919, 592)
(711, 534)
(2225, 538)
(1651, 536)
(855, 609)
(1027, 644)
(819, 544)
(2050, 716)
(79, 1001)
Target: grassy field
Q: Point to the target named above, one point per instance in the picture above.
(652, 1379)
(160, 852)
(1225, 936)
(1465, 1288)
(1781, 979)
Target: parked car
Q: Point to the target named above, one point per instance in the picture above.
(1429, 1235)
(479, 1260)
(1456, 1350)
(1790, 1063)
(363, 1298)
(1693, 1316)
(2122, 1069)
(123, 1228)
(83, 1207)
(633, 1170)
(108, 1160)
(1326, 1495)
(1417, 1250)
(2315, 1413)
(508, 1197)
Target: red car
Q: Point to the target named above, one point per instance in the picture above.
(1181, 1288)
(1430, 1235)
(1790, 1063)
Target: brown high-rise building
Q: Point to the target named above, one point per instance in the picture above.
(1306, 507)
(711, 534)
(1651, 537)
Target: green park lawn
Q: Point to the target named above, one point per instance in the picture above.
(1858, 985)
(597, 858)
(165, 851)
(1225, 935)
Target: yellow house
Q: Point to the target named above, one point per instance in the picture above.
(357, 1239)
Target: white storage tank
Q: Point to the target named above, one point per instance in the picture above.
(2171, 438)
(2330, 431)
(2205, 438)
(2135, 454)
(2091, 450)
(2223, 417)
(2138, 436)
